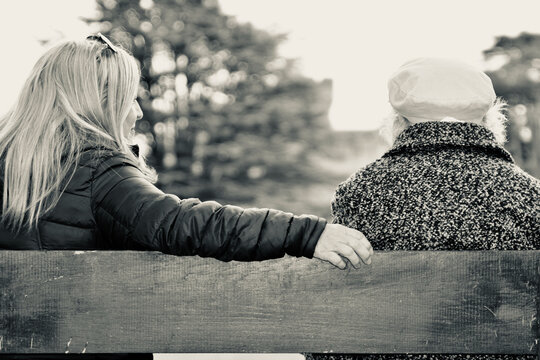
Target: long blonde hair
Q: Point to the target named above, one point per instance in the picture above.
(77, 95)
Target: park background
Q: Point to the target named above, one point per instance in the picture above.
(273, 103)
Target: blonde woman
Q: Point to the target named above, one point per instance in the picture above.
(70, 179)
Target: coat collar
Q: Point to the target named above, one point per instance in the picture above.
(435, 135)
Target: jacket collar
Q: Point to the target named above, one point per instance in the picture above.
(436, 135)
(134, 149)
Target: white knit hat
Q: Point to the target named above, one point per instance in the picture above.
(431, 89)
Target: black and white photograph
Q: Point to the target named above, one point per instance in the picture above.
(270, 180)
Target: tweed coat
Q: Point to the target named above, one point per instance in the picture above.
(442, 186)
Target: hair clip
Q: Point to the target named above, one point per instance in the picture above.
(103, 39)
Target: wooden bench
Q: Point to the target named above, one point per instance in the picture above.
(405, 302)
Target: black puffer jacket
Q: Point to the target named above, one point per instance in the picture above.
(108, 204)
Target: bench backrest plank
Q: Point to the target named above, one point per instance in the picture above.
(406, 301)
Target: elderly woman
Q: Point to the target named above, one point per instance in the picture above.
(447, 182)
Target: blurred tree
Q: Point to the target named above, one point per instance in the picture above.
(516, 78)
(219, 102)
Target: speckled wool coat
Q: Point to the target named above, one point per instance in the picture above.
(443, 186)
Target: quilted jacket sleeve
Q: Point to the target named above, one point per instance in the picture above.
(131, 213)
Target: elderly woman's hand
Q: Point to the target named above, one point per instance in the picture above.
(339, 241)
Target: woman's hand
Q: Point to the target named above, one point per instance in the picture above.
(338, 241)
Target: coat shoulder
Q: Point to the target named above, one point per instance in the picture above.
(364, 176)
(352, 190)
(95, 158)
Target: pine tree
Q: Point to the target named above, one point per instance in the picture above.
(219, 101)
(517, 80)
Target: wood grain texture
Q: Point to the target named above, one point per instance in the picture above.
(405, 302)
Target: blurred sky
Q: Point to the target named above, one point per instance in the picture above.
(358, 44)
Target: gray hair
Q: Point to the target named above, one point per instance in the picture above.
(495, 120)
